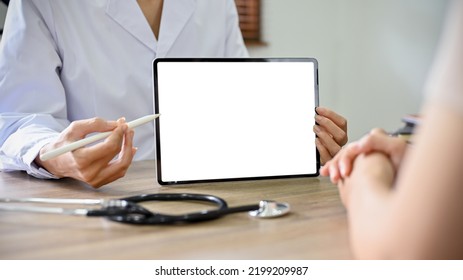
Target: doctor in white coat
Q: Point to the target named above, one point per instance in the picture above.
(68, 66)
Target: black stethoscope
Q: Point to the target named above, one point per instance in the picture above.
(128, 210)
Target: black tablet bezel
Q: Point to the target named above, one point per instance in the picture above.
(159, 120)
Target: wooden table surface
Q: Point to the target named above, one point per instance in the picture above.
(316, 228)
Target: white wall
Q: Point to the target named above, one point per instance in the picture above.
(373, 55)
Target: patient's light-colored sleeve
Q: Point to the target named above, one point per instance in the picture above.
(446, 78)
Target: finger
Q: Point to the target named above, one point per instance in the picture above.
(112, 145)
(340, 166)
(109, 174)
(118, 167)
(346, 159)
(331, 169)
(79, 129)
(353, 150)
(324, 170)
(378, 131)
(327, 140)
(324, 153)
(128, 151)
(380, 142)
(376, 141)
(100, 154)
(115, 170)
(338, 133)
(334, 173)
(337, 119)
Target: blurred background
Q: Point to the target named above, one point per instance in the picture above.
(374, 55)
(2, 13)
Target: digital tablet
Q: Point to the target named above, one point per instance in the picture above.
(235, 119)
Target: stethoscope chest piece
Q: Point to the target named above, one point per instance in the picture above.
(270, 209)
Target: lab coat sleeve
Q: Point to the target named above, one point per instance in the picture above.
(33, 103)
(234, 45)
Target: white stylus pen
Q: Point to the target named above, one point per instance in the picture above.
(83, 142)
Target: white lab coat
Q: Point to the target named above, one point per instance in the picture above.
(62, 61)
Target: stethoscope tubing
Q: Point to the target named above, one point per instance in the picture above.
(129, 209)
(139, 218)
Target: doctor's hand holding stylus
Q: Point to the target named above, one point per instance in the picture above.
(95, 165)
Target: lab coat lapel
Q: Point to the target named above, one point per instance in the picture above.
(130, 17)
(175, 15)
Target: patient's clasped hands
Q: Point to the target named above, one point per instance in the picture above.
(377, 141)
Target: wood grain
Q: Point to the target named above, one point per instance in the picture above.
(316, 228)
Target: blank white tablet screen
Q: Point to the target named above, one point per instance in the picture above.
(228, 119)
